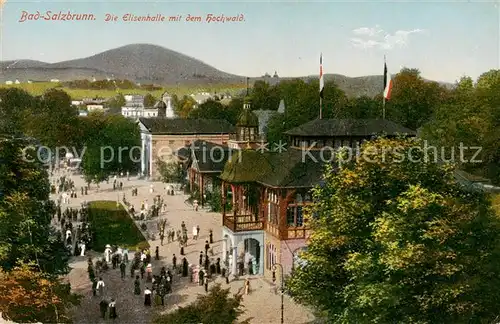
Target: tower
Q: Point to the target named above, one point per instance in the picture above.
(169, 110)
(247, 127)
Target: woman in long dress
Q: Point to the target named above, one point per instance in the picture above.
(137, 286)
(147, 297)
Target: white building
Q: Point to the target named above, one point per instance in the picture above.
(76, 102)
(95, 107)
(201, 97)
(54, 80)
(9, 82)
(134, 107)
(137, 112)
(17, 82)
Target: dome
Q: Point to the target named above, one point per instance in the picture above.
(160, 104)
(248, 119)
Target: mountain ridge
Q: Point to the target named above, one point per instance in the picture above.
(148, 63)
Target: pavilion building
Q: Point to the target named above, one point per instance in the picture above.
(264, 193)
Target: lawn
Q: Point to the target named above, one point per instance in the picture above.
(39, 88)
(113, 225)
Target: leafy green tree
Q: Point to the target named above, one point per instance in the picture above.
(265, 96)
(111, 147)
(302, 105)
(212, 109)
(362, 107)
(149, 100)
(15, 106)
(216, 307)
(55, 121)
(396, 241)
(184, 106)
(26, 233)
(171, 172)
(470, 118)
(488, 79)
(413, 99)
(116, 103)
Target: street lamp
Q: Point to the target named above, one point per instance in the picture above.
(275, 266)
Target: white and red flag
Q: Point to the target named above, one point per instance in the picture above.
(387, 83)
(321, 81)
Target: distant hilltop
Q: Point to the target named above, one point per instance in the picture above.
(146, 63)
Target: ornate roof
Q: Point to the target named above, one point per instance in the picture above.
(289, 169)
(160, 105)
(177, 126)
(349, 127)
(247, 118)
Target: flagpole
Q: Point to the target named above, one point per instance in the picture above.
(320, 108)
(383, 96)
(321, 86)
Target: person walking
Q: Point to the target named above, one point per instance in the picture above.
(103, 307)
(112, 309)
(122, 269)
(100, 287)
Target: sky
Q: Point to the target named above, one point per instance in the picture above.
(444, 40)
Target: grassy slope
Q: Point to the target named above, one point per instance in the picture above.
(114, 226)
(78, 94)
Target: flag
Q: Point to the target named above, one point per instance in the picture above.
(387, 83)
(321, 81)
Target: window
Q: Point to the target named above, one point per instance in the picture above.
(294, 216)
(171, 142)
(271, 256)
(290, 216)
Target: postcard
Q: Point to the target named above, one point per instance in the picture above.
(249, 161)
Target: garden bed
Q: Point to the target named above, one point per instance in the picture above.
(111, 224)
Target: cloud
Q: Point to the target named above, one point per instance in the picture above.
(376, 37)
(366, 31)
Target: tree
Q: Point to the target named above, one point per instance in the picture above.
(413, 99)
(112, 147)
(396, 241)
(217, 307)
(171, 172)
(212, 109)
(302, 105)
(470, 118)
(149, 100)
(264, 96)
(15, 105)
(27, 295)
(55, 121)
(362, 107)
(116, 103)
(26, 233)
(184, 106)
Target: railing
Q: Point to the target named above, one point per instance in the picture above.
(256, 138)
(242, 223)
(297, 233)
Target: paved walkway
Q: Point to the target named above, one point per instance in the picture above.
(262, 305)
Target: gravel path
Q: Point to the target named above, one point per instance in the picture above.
(262, 305)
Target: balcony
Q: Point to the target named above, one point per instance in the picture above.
(241, 223)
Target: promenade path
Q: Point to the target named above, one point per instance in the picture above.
(262, 305)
